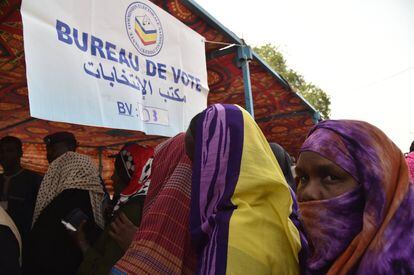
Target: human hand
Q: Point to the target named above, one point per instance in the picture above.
(122, 231)
(79, 236)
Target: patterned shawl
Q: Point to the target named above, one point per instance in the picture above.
(241, 202)
(71, 171)
(383, 242)
(162, 244)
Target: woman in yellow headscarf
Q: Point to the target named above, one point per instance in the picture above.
(242, 208)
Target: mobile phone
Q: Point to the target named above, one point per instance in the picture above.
(68, 226)
(73, 220)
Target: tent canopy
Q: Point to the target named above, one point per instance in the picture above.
(284, 116)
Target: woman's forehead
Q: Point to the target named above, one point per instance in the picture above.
(311, 160)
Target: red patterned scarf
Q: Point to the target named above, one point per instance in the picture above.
(137, 162)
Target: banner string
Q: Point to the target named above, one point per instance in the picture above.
(223, 43)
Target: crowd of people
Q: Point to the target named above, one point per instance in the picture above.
(217, 199)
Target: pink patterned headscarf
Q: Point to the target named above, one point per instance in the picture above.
(410, 162)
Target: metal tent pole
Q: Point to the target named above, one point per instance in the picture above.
(316, 117)
(244, 56)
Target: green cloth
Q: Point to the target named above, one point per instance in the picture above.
(100, 258)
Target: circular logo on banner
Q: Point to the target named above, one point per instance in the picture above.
(144, 28)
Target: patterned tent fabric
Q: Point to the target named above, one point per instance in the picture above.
(283, 116)
(280, 113)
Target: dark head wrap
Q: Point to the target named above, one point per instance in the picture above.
(285, 163)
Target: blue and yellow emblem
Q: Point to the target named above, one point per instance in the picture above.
(145, 30)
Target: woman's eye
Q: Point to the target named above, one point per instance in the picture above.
(331, 178)
(302, 179)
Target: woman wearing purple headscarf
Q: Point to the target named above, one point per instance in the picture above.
(356, 201)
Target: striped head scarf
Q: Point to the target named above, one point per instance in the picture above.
(369, 228)
(241, 203)
(162, 244)
(71, 171)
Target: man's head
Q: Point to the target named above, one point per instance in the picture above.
(412, 147)
(59, 143)
(10, 152)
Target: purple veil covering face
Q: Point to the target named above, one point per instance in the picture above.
(383, 243)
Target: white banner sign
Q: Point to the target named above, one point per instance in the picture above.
(120, 64)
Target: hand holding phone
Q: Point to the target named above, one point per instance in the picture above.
(75, 222)
(74, 219)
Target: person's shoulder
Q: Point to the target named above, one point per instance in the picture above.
(72, 154)
(74, 157)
